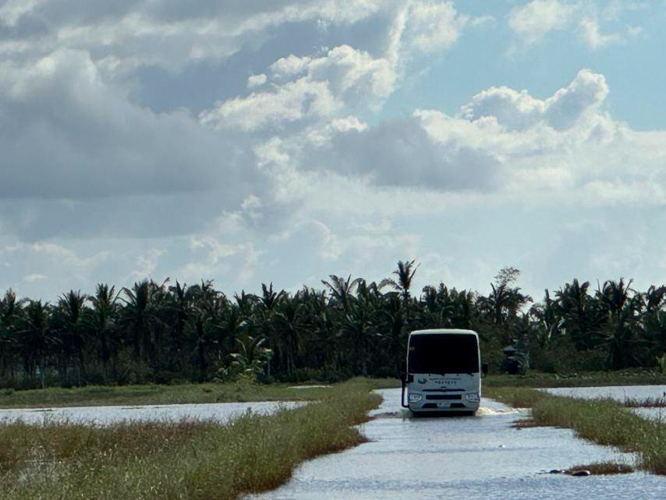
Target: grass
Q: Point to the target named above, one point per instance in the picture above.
(166, 394)
(586, 379)
(645, 402)
(602, 421)
(602, 469)
(178, 460)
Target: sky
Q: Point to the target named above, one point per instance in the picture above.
(258, 141)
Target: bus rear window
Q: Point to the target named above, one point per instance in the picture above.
(443, 353)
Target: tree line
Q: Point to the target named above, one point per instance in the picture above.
(169, 333)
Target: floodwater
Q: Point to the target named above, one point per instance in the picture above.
(620, 393)
(481, 457)
(106, 415)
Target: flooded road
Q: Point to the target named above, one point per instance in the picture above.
(106, 415)
(480, 457)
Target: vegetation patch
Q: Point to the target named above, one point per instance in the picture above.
(178, 460)
(645, 402)
(601, 469)
(583, 379)
(242, 391)
(602, 421)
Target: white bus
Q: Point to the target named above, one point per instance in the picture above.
(443, 372)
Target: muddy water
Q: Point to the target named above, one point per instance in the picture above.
(480, 457)
(105, 415)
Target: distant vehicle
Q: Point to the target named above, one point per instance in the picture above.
(443, 372)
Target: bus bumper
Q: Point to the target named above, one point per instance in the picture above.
(435, 406)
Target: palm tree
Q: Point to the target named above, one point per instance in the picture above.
(101, 323)
(251, 356)
(179, 308)
(199, 327)
(580, 315)
(621, 307)
(287, 332)
(405, 277)
(11, 312)
(140, 317)
(71, 312)
(36, 338)
(342, 290)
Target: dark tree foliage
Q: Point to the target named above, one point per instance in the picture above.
(164, 333)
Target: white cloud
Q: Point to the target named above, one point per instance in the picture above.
(32, 278)
(434, 26)
(594, 38)
(515, 110)
(164, 33)
(534, 20)
(256, 80)
(324, 86)
(147, 263)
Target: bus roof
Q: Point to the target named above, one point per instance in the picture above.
(444, 330)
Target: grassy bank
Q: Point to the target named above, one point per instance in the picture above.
(166, 394)
(601, 421)
(584, 379)
(182, 460)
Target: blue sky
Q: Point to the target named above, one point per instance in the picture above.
(256, 141)
(485, 57)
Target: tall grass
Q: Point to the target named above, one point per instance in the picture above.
(178, 460)
(168, 394)
(603, 421)
(584, 379)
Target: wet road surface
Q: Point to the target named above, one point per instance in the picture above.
(480, 457)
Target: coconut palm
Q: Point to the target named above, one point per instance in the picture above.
(621, 305)
(342, 290)
(70, 316)
(101, 324)
(403, 284)
(36, 339)
(140, 317)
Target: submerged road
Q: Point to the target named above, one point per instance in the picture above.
(481, 457)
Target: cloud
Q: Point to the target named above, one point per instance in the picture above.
(402, 153)
(316, 88)
(434, 26)
(68, 134)
(594, 38)
(256, 80)
(129, 34)
(31, 278)
(531, 22)
(517, 110)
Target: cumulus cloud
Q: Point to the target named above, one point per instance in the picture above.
(292, 174)
(317, 87)
(434, 26)
(517, 110)
(68, 134)
(128, 34)
(256, 80)
(534, 20)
